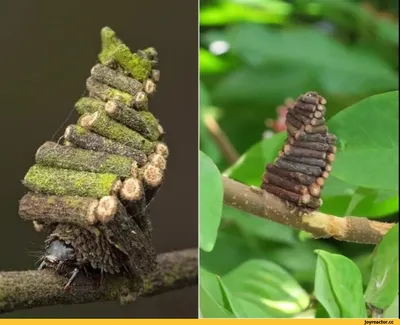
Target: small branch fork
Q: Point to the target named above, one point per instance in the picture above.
(29, 289)
(265, 205)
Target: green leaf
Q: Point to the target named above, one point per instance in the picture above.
(259, 227)
(299, 258)
(232, 245)
(263, 289)
(228, 12)
(236, 309)
(236, 246)
(338, 69)
(210, 63)
(262, 87)
(368, 131)
(383, 286)
(338, 286)
(341, 198)
(211, 194)
(250, 167)
(321, 311)
(205, 99)
(388, 31)
(213, 298)
(364, 263)
(393, 310)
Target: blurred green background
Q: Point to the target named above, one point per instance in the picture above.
(256, 53)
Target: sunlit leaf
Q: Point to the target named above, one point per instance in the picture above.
(210, 63)
(369, 133)
(263, 289)
(338, 286)
(393, 310)
(383, 286)
(213, 300)
(341, 198)
(228, 12)
(211, 193)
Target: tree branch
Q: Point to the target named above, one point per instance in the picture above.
(28, 289)
(260, 203)
(221, 139)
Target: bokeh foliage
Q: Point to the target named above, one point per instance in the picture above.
(279, 49)
(254, 54)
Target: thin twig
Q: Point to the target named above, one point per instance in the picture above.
(29, 289)
(220, 138)
(260, 203)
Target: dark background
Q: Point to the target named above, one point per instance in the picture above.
(46, 53)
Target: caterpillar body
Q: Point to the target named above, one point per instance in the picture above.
(298, 174)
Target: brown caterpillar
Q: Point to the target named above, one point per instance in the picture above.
(91, 194)
(298, 174)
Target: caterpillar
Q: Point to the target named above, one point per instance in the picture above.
(298, 174)
(90, 195)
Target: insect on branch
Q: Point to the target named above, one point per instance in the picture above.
(29, 289)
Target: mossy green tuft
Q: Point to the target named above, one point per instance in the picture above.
(152, 124)
(52, 154)
(88, 105)
(113, 130)
(69, 182)
(113, 49)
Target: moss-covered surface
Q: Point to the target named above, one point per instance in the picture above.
(113, 130)
(54, 155)
(85, 139)
(116, 79)
(50, 209)
(106, 93)
(152, 124)
(124, 97)
(142, 122)
(88, 105)
(113, 49)
(57, 181)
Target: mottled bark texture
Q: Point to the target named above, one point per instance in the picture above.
(29, 289)
(54, 209)
(265, 205)
(102, 124)
(85, 139)
(143, 122)
(52, 154)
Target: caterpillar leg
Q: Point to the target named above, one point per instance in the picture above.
(71, 279)
(101, 277)
(42, 265)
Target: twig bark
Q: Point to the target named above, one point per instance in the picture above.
(29, 289)
(260, 203)
(220, 138)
